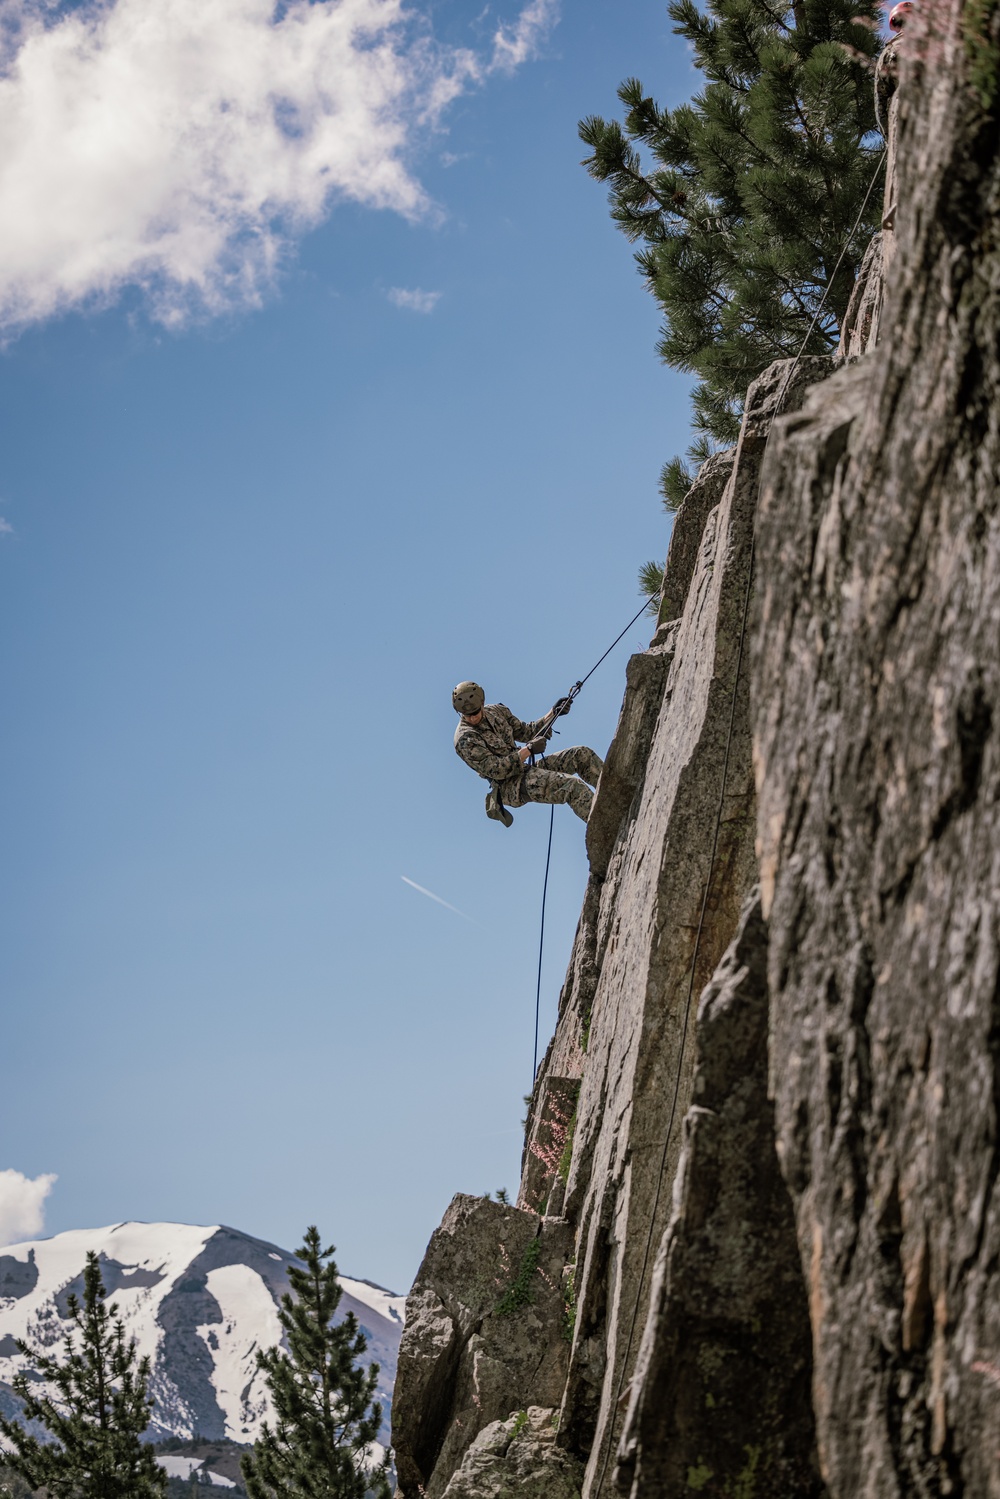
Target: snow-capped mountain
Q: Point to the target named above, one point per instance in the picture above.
(198, 1301)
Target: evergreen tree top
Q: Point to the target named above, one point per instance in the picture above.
(742, 200)
(94, 1405)
(326, 1420)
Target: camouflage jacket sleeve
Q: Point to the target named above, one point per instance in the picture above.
(524, 731)
(474, 750)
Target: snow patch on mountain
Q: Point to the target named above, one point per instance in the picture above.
(183, 1467)
(381, 1301)
(245, 1302)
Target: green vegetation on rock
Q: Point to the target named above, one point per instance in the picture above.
(698, 1477)
(520, 1422)
(569, 1300)
(566, 1156)
(518, 1293)
(745, 1486)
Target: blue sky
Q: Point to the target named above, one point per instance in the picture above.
(258, 531)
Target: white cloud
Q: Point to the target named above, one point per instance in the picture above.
(22, 1205)
(416, 300)
(517, 44)
(180, 146)
(5, 527)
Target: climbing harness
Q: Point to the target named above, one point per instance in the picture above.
(610, 1441)
(568, 700)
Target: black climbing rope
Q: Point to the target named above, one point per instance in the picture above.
(571, 697)
(610, 648)
(711, 865)
(541, 942)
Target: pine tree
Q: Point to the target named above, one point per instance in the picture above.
(96, 1413)
(326, 1420)
(742, 200)
(651, 584)
(12, 1485)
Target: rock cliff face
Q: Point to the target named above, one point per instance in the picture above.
(757, 1242)
(876, 684)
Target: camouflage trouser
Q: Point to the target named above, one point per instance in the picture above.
(554, 779)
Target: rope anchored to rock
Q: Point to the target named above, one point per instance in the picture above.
(562, 707)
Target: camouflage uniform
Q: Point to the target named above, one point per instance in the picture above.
(490, 748)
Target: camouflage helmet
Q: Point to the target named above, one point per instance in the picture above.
(468, 698)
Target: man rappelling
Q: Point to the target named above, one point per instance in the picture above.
(487, 739)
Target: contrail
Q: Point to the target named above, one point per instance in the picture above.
(431, 896)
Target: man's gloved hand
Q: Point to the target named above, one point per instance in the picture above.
(538, 746)
(562, 706)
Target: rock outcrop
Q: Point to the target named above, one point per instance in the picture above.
(485, 1335)
(763, 1150)
(517, 1459)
